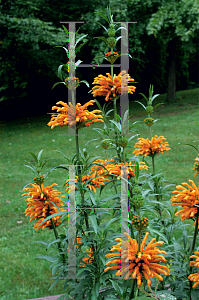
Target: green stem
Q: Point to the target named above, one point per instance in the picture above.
(132, 293)
(153, 162)
(195, 234)
(124, 160)
(56, 236)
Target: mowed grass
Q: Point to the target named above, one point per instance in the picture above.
(22, 276)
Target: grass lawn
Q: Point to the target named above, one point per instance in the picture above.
(22, 276)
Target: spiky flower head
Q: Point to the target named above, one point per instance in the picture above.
(149, 121)
(133, 262)
(111, 41)
(140, 223)
(149, 109)
(104, 145)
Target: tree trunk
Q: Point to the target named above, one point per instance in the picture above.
(171, 90)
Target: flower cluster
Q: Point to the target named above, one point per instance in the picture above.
(187, 198)
(149, 121)
(151, 147)
(92, 184)
(112, 87)
(134, 262)
(109, 167)
(195, 277)
(196, 166)
(72, 82)
(40, 204)
(141, 223)
(112, 56)
(80, 116)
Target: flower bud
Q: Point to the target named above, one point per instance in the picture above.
(149, 109)
(123, 141)
(111, 25)
(111, 32)
(137, 200)
(105, 145)
(39, 180)
(136, 189)
(149, 103)
(111, 41)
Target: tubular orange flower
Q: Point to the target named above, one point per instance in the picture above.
(136, 263)
(196, 166)
(69, 116)
(151, 148)
(92, 184)
(109, 88)
(115, 169)
(40, 206)
(187, 198)
(112, 56)
(149, 121)
(86, 259)
(195, 277)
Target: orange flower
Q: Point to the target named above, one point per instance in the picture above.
(187, 198)
(115, 169)
(40, 206)
(136, 263)
(112, 56)
(151, 148)
(194, 277)
(108, 87)
(92, 184)
(69, 116)
(196, 166)
(86, 259)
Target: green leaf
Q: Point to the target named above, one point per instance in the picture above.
(63, 48)
(141, 104)
(39, 155)
(157, 105)
(57, 84)
(144, 97)
(78, 62)
(65, 29)
(137, 171)
(101, 38)
(59, 72)
(80, 46)
(158, 233)
(32, 168)
(117, 287)
(84, 81)
(34, 156)
(79, 39)
(48, 258)
(101, 15)
(154, 97)
(101, 25)
(93, 220)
